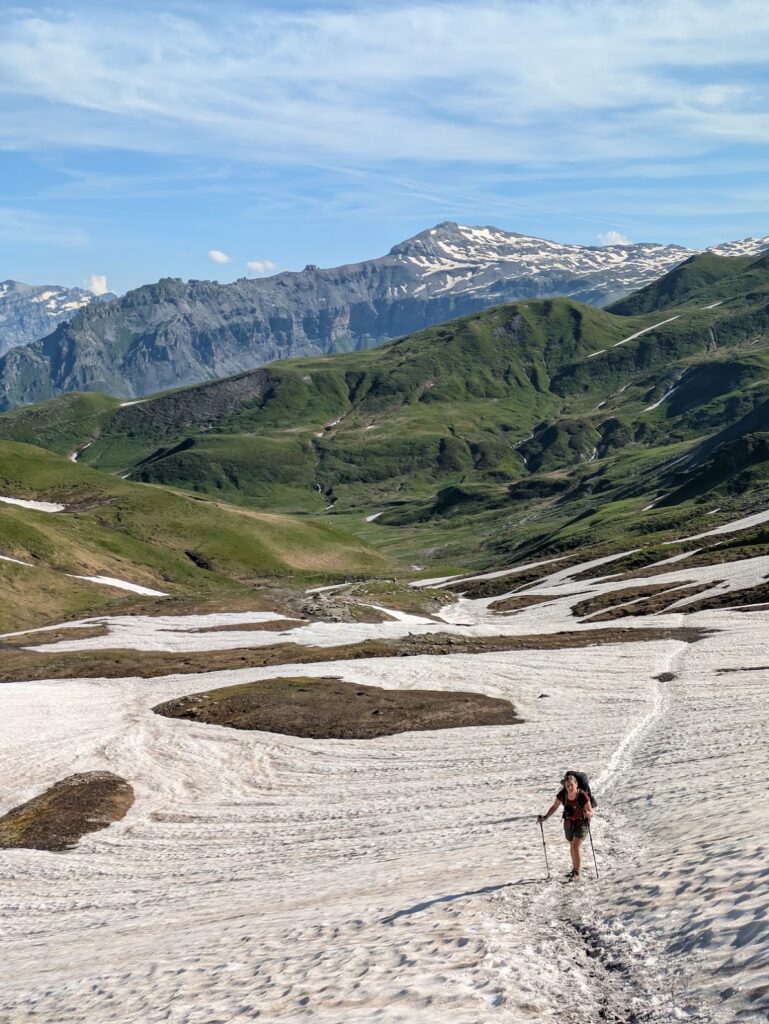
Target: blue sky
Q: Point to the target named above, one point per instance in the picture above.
(222, 140)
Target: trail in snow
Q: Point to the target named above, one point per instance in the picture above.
(402, 879)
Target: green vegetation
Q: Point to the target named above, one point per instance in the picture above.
(526, 431)
(63, 425)
(149, 536)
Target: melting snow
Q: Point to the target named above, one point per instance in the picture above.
(738, 524)
(405, 875)
(38, 506)
(659, 401)
(110, 581)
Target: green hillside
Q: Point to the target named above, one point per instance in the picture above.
(64, 425)
(150, 536)
(705, 275)
(529, 428)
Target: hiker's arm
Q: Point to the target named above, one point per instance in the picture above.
(588, 807)
(551, 810)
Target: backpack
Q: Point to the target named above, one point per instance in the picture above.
(583, 786)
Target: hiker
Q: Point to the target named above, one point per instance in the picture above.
(577, 812)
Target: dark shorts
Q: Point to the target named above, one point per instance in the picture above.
(574, 829)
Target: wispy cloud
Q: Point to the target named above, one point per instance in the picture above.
(217, 256)
(21, 225)
(529, 83)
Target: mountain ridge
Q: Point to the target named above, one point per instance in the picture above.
(29, 312)
(173, 334)
(521, 431)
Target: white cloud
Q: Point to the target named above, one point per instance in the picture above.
(97, 283)
(613, 238)
(260, 266)
(217, 256)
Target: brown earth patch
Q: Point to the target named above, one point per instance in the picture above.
(57, 818)
(598, 602)
(25, 665)
(273, 626)
(53, 636)
(715, 555)
(514, 581)
(522, 601)
(328, 708)
(731, 599)
(654, 605)
(627, 566)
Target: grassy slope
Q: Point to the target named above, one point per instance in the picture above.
(147, 535)
(63, 425)
(448, 403)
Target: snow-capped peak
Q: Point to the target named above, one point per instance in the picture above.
(456, 257)
(29, 312)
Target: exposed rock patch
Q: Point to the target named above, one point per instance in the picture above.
(59, 817)
(328, 708)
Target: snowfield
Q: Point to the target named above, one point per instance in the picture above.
(402, 879)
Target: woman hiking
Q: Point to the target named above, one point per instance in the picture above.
(577, 812)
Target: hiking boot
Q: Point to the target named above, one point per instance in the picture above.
(571, 874)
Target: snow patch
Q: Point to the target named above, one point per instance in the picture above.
(38, 506)
(110, 581)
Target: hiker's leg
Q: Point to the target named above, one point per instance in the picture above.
(576, 854)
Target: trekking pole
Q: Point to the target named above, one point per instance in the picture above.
(592, 847)
(544, 847)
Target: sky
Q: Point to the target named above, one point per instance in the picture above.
(226, 140)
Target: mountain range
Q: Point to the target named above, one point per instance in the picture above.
(526, 429)
(173, 333)
(29, 312)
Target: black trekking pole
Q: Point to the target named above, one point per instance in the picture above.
(592, 847)
(544, 847)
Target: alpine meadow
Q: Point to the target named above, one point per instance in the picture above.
(326, 590)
